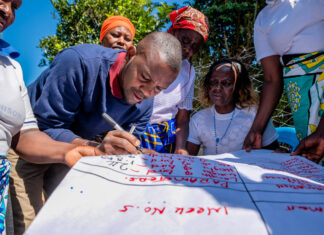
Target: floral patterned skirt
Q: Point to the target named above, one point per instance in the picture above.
(304, 85)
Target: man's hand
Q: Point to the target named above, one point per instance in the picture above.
(74, 155)
(119, 143)
(253, 140)
(312, 147)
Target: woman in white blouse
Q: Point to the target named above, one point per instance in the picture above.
(18, 127)
(222, 127)
(288, 38)
(169, 123)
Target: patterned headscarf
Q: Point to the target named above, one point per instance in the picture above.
(189, 18)
(115, 21)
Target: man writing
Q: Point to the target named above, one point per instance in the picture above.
(85, 81)
(69, 97)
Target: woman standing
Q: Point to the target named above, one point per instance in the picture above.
(18, 127)
(288, 38)
(169, 123)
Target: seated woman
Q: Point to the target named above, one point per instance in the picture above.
(169, 123)
(222, 127)
(117, 32)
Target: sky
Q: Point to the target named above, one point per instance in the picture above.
(33, 22)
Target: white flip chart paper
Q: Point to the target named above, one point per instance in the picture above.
(236, 193)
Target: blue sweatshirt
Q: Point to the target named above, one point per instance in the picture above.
(69, 97)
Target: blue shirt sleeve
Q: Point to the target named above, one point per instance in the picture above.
(61, 96)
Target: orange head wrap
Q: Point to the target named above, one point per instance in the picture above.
(115, 21)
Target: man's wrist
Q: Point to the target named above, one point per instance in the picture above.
(90, 143)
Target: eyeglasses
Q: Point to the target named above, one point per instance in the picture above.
(223, 84)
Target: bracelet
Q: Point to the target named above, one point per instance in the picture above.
(90, 143)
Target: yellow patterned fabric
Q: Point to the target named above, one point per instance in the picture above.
(160, 136)
(304, 85)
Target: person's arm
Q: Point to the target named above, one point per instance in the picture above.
(182, 131)
(84, 142)
(184, 110)
(312, 147)
(37, 147)
(192, 148)
(194, 141)
(270, 96)
(269, 137)
(61, 96)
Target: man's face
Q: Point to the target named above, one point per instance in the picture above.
(7, 12)
(144, 76)
(118, 38)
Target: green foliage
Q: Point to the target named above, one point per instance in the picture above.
(231, 25)
(80, 21)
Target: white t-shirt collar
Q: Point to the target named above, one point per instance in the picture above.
(221, 116)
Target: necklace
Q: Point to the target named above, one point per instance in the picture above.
(218, 140)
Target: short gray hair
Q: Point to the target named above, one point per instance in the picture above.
(167, 45)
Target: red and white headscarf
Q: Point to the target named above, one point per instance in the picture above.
(189, 18)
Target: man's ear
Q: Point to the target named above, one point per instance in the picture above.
(130, 52)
